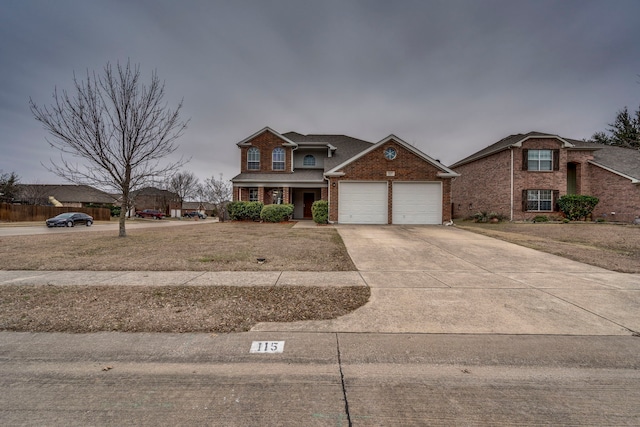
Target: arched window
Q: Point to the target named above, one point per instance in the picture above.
(278, 159)
(309, 160)
(253, 159)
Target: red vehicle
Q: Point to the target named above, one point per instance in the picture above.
(150, 213)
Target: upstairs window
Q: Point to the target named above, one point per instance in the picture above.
(541, 160)
(277, 159)
(309, 160)
(253, 159)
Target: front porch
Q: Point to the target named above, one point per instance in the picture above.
(301, 198)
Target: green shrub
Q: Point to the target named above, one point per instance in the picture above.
(577, 206)
(480, 217)
(541, 218)
(320, 211)
(242, 211)
(276, 213)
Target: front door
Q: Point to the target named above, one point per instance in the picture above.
(308, 200)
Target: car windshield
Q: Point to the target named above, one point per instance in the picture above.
(64, 215)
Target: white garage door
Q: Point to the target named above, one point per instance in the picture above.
(362, 203)
(417, 203)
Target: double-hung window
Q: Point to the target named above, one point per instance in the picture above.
(278, 159)
(253, 159)
(541, 160)
(539, 200)
(253, 194)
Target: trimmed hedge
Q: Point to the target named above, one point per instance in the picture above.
(242, 211)
(320, 211)
(577, 206)
(276, 213)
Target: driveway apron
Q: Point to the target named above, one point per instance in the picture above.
(436, 279)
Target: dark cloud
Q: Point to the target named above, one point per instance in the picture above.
(448, 76)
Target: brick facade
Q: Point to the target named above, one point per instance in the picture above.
(407, 166)
(266, 142)
(486, 183)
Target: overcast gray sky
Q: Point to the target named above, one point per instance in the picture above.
(449, 77)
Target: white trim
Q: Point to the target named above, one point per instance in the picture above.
(397, 140)
(632, 179)
(565, 143)
(288, 142)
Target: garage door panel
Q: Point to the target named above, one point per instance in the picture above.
(362, 203)
(417, 203)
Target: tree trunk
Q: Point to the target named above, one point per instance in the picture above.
(123, 216)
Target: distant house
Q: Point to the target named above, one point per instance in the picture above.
(157, 199)
(523, 175)
(75, 196)
(388, 182)
(202, 207)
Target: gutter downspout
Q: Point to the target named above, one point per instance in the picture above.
(511, 186)
(328, 197)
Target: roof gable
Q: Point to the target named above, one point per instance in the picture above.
(247, 141)
(445, 172)
(513, 141)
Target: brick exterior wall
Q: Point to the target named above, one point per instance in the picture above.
(485, 184)
(616, 193)
(266, 142)
(374, 167)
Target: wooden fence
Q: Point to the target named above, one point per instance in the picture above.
(17, 213)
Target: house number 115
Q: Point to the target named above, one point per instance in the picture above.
(267, 347)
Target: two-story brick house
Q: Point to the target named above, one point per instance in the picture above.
(523, 175)
(389, 182)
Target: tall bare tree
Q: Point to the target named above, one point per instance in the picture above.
(217, 192)
(120, 127)
(184, 184)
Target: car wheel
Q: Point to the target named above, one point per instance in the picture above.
(69, 223)
(89, 222)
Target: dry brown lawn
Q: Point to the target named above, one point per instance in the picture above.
(230, 246)
(615, 247)
(203, 247)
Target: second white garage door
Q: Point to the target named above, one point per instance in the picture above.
(362, 203)
(417, 203)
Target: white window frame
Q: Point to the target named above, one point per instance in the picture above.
(278, 159)
(536, 197)
(309, 160)
(253, 159)
(537, 163)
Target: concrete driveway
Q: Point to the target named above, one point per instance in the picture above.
(432, 279)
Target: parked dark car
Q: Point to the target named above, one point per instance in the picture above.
(69, 219)
(194, 214)
(150, 213)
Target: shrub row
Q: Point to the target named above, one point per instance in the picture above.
(255, 211)
(577, 206)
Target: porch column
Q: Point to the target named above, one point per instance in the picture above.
(261, 195)
(286, 195)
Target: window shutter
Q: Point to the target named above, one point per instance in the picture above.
(556, 196)
(525, 160)
(556, 160)
(524, 200)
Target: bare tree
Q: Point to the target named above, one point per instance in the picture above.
(119, 126)
(34, 194)
(217, 192)
(184, 184)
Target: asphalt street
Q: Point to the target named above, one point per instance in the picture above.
(459, 331)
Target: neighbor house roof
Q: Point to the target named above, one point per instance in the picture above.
(70, 193)
(620, 160)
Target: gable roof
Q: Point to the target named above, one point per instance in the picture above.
(445, 171)
(513, 141)
(69, 193)
(619, 160)
(287, 141)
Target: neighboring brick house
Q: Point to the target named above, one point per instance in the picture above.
(389, 182)
(523, 175)
(157, 199)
